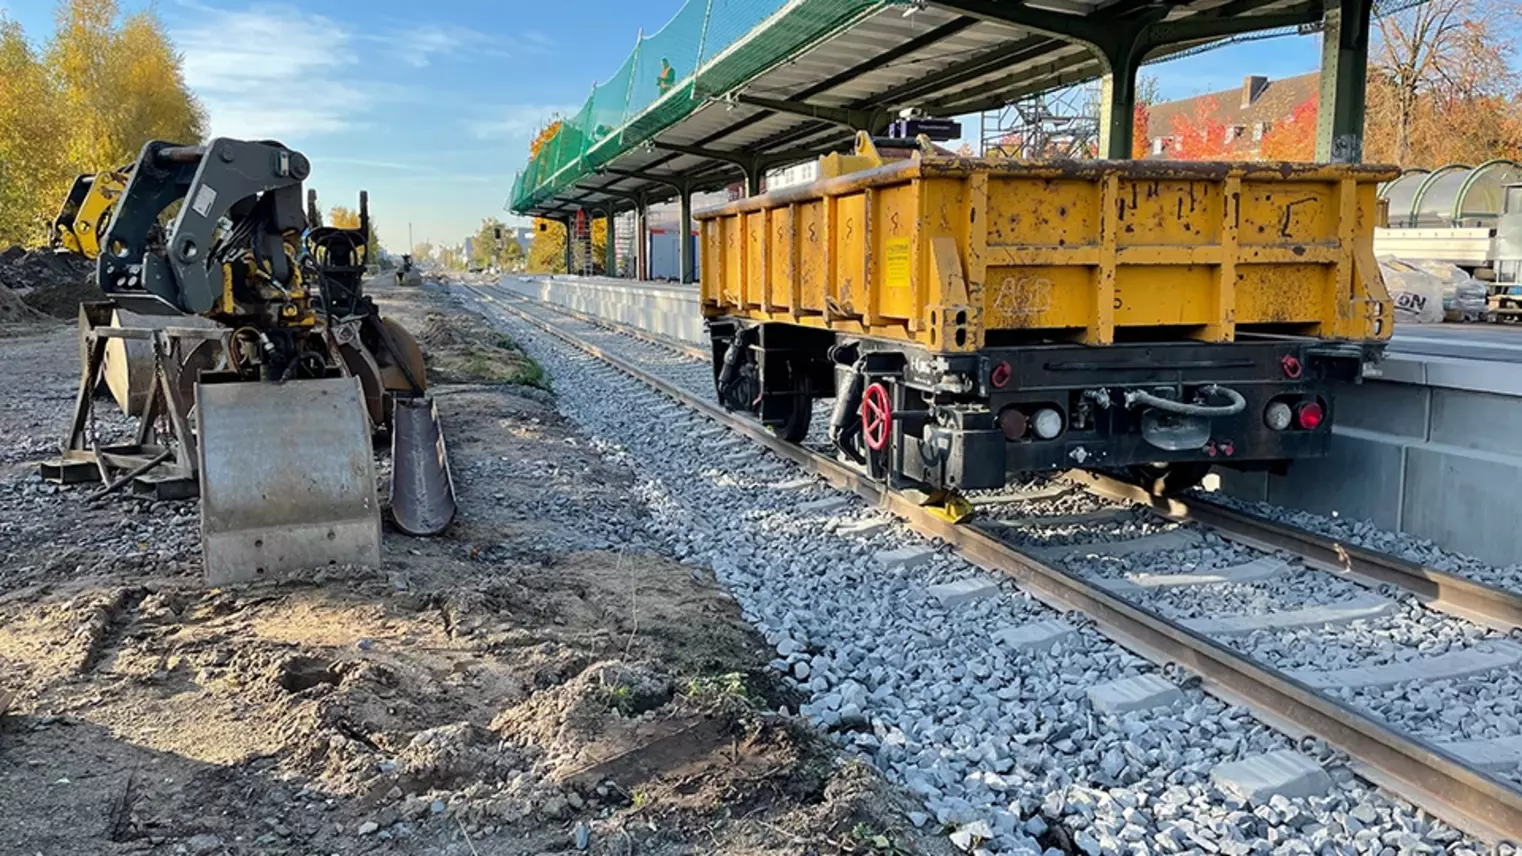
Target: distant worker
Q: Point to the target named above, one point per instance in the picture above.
(667, 78)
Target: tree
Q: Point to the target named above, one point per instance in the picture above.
(340, 217)
(513, 255)
(1141, 121)
(1441, 87)
(423, 252)
(103, 87)
(1293, 138)
(495, 244)
(1141, 118)
(121, 83)
(34, 174)
(452, 258)
(547, 252)
(1200, 136)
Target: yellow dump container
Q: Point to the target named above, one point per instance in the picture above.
(955, 254)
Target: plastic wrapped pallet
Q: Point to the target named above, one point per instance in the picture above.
(1417, 293)
(1464, 297)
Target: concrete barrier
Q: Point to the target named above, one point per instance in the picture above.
(1430, 446)
(667, 309)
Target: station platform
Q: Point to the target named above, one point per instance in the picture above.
(1430, 444)
(667, 308)
(1501, 343)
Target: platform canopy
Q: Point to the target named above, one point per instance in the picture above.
(731, 88)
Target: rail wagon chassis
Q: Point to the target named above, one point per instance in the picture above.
(973, 319)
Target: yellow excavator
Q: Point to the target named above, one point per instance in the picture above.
(86, 212)
(272, 373)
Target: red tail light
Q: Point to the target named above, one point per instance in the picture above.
(1309, 415)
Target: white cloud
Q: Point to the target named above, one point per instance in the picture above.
(272, 70)
(516, 121)
(417, 45)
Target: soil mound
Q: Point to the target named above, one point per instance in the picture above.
(48, 283)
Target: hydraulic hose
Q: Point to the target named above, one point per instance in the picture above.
(1237, 403)
(733, 355)
(847, 404)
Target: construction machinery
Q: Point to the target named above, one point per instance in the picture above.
(408, 274)
(86, 212)
(272, 373)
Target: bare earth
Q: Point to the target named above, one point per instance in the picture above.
(534, 681)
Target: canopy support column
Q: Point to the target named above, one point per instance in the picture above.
(689, 260)
(1344, 69)
(567, 224)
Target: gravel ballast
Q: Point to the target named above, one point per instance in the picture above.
(1003, 746)
(1362, 533)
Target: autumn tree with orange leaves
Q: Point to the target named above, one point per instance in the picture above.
(547, 252)
(1442, 88)
(1293, 138)
(1141, 144)
(1200, 135)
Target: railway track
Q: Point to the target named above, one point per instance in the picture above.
(1252, 600)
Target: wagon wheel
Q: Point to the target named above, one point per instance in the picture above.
(801, 414)
(876, 417)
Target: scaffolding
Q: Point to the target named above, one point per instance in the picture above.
(582, 261)
(1063, 123)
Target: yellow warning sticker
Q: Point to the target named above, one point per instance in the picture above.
(896, 266)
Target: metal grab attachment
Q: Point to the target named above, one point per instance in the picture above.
(1237, 403)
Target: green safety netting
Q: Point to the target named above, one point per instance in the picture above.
(708, 49)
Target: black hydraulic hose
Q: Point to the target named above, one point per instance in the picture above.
(732, 358)
(847, 404)
(1236, 402)
(846, 414)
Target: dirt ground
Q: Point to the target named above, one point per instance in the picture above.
(531, 682)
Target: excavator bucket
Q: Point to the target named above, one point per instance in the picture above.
(287, 478)
(422, 490)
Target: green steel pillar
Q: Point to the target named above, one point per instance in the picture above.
(567, 224)
(1117, 106)
(641, 240)
(1344, 68)
(610, 251)
(689, 264)
(753, 175)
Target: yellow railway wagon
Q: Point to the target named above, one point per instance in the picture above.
(1012, 316)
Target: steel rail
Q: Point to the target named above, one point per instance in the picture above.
(1452, 593)
(1472, 801)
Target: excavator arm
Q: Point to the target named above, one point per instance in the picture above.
(86, 212)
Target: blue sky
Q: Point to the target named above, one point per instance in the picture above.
(430, 106)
